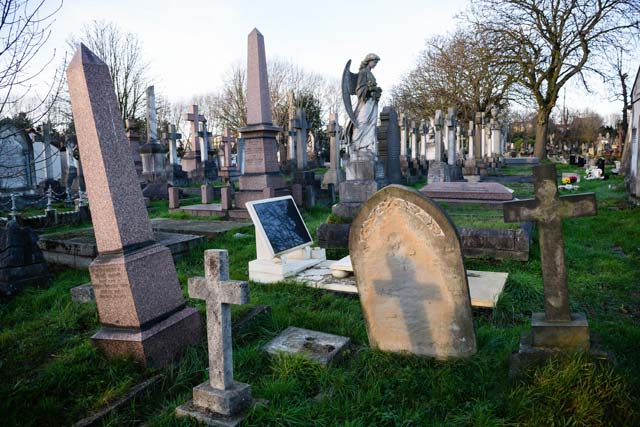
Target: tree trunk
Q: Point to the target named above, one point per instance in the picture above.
(625, 161)
(542, 128)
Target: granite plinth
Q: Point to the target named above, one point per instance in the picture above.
(208, 229)
(136, 287)
(157, 344)
(317, 346)
(209, 209)
(467, 190)
(571, 335)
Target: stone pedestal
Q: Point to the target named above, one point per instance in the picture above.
(359, 186)
(140, 306)
(571, 335)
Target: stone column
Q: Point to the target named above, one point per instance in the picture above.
(261, 170)
(414, 141)
(404, 129)
(424, 129)
(334, 175)
(438, 122)
(301, 139)
(477, 137)
(451, 136)
(394, 145)
(139, 300)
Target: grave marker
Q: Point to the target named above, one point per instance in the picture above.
(220, 394)
(140, 304)
(411, 279)
(548, 209)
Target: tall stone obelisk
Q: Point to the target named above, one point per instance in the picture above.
(262, 177)
(140, 304)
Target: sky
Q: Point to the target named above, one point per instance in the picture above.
(191, 44)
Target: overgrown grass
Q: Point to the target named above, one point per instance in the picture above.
(52, 376)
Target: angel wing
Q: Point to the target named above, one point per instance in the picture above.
(349, 82)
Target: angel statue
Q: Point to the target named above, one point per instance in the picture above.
(360, 132)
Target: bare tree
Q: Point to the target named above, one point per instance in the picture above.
(454, 70)
(25, 27)
(122, 53)
(552, 41)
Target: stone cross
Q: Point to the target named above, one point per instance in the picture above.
(414, 141)
(301, 127)
(172, 136)
(152, 123)
(195, 119)
(437, 124)
(219, 293)
(204, 143)
(48, 160)
(548, 209)
(227, 140)
(404, 129)
(424, 130)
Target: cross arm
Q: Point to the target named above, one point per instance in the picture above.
(520, 210)
(198, 288)
(578, 205)
(234, 292)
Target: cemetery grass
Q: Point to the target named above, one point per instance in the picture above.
(52, 375)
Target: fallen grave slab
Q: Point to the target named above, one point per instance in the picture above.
(208, 229)
(468, 192)
(203, 209)
(317, 346)
(485, 287)
(77, 249)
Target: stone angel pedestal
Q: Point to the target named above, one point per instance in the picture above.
(360, 135)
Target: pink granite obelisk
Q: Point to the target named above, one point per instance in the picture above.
(262, 177)
(140, 304)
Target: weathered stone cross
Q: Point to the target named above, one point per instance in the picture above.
(172, 136)
(219, 292)
(548, 210)
(227, 140)
(195, 119)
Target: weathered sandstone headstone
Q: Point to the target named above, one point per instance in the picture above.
(140, 304)
(411, 278)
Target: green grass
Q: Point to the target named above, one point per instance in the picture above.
(51, 375)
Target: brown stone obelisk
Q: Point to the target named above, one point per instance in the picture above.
(140, 304)
(262, 177)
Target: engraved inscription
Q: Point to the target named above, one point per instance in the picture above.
(108, 282)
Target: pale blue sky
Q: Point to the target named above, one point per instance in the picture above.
(191, 43)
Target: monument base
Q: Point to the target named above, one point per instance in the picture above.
(214, 407)
(157, 345)
(528, 357)
(571, 335)
(352, 195)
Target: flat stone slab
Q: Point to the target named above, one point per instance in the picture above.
(208, 229)
(76, 249)
(485, 287)
(317, 346)
(208, 209)
(521, 160)
(491, 191)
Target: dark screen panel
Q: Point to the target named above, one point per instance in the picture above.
(282, 224)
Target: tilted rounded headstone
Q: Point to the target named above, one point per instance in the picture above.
(411, 279)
